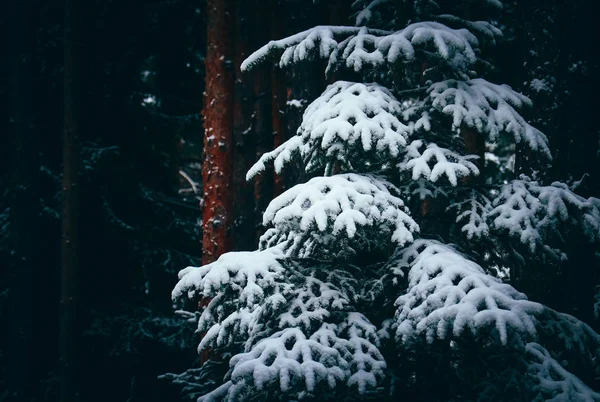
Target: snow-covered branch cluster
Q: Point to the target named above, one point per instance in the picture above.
(296, 330)
(471, 212)
(478, 104)
(535, 214)
(314, 218)
(434, 162)
(448, 294)
(359, 48)
(385, 14)
(551, 382)
(350, 124)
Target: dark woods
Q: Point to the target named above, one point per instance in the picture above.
(102, 146)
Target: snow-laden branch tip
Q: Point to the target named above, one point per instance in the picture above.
(434, 162)
(318, 41)
(358, 48)
(551, 381)
(531, 212)
(471, 212)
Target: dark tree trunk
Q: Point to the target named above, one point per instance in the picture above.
(25, 210)
(243, 135)
(68, 338)
(279, 90)
(218, 130)
(171, 70)
(263, 183)
(338, 12)
(475, 145)
(580, 283)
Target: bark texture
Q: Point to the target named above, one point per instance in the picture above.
(218, 130)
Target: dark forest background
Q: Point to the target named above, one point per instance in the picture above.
(138, 81)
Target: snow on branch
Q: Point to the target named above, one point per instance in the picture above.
(448, 294)
(484, 29)
(483, 106)
(375, 13)
(571, 338)
(298, 331)
(455, 47)
(551, 381)
(434, 162)
(317, 42)
(363, 47)
(300, 366)
(237, 283)
(370, 11)
(352, 124)
(324, 209)
(471, 211)
(416, 191)
(531, 212)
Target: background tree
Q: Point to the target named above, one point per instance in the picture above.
(218, 125)
(70, 207)
(20, 208)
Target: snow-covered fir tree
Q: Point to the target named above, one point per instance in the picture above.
(353, 294)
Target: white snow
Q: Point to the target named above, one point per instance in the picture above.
(315, 42)
(341, 205)
(530, 211)
(372, 49)
(483, 106)
(434, 162)
(363, 47)
(472, 211)
(552, 382)
(448, 294)
(347, 120)
(299, 332)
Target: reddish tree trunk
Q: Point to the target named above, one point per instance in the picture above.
(218, 130)
(474, 145)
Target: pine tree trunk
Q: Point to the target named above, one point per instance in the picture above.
(68, 338)
(218, 130)
(475, 145)
(243, 135)
(24, 212)
(580, 282)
